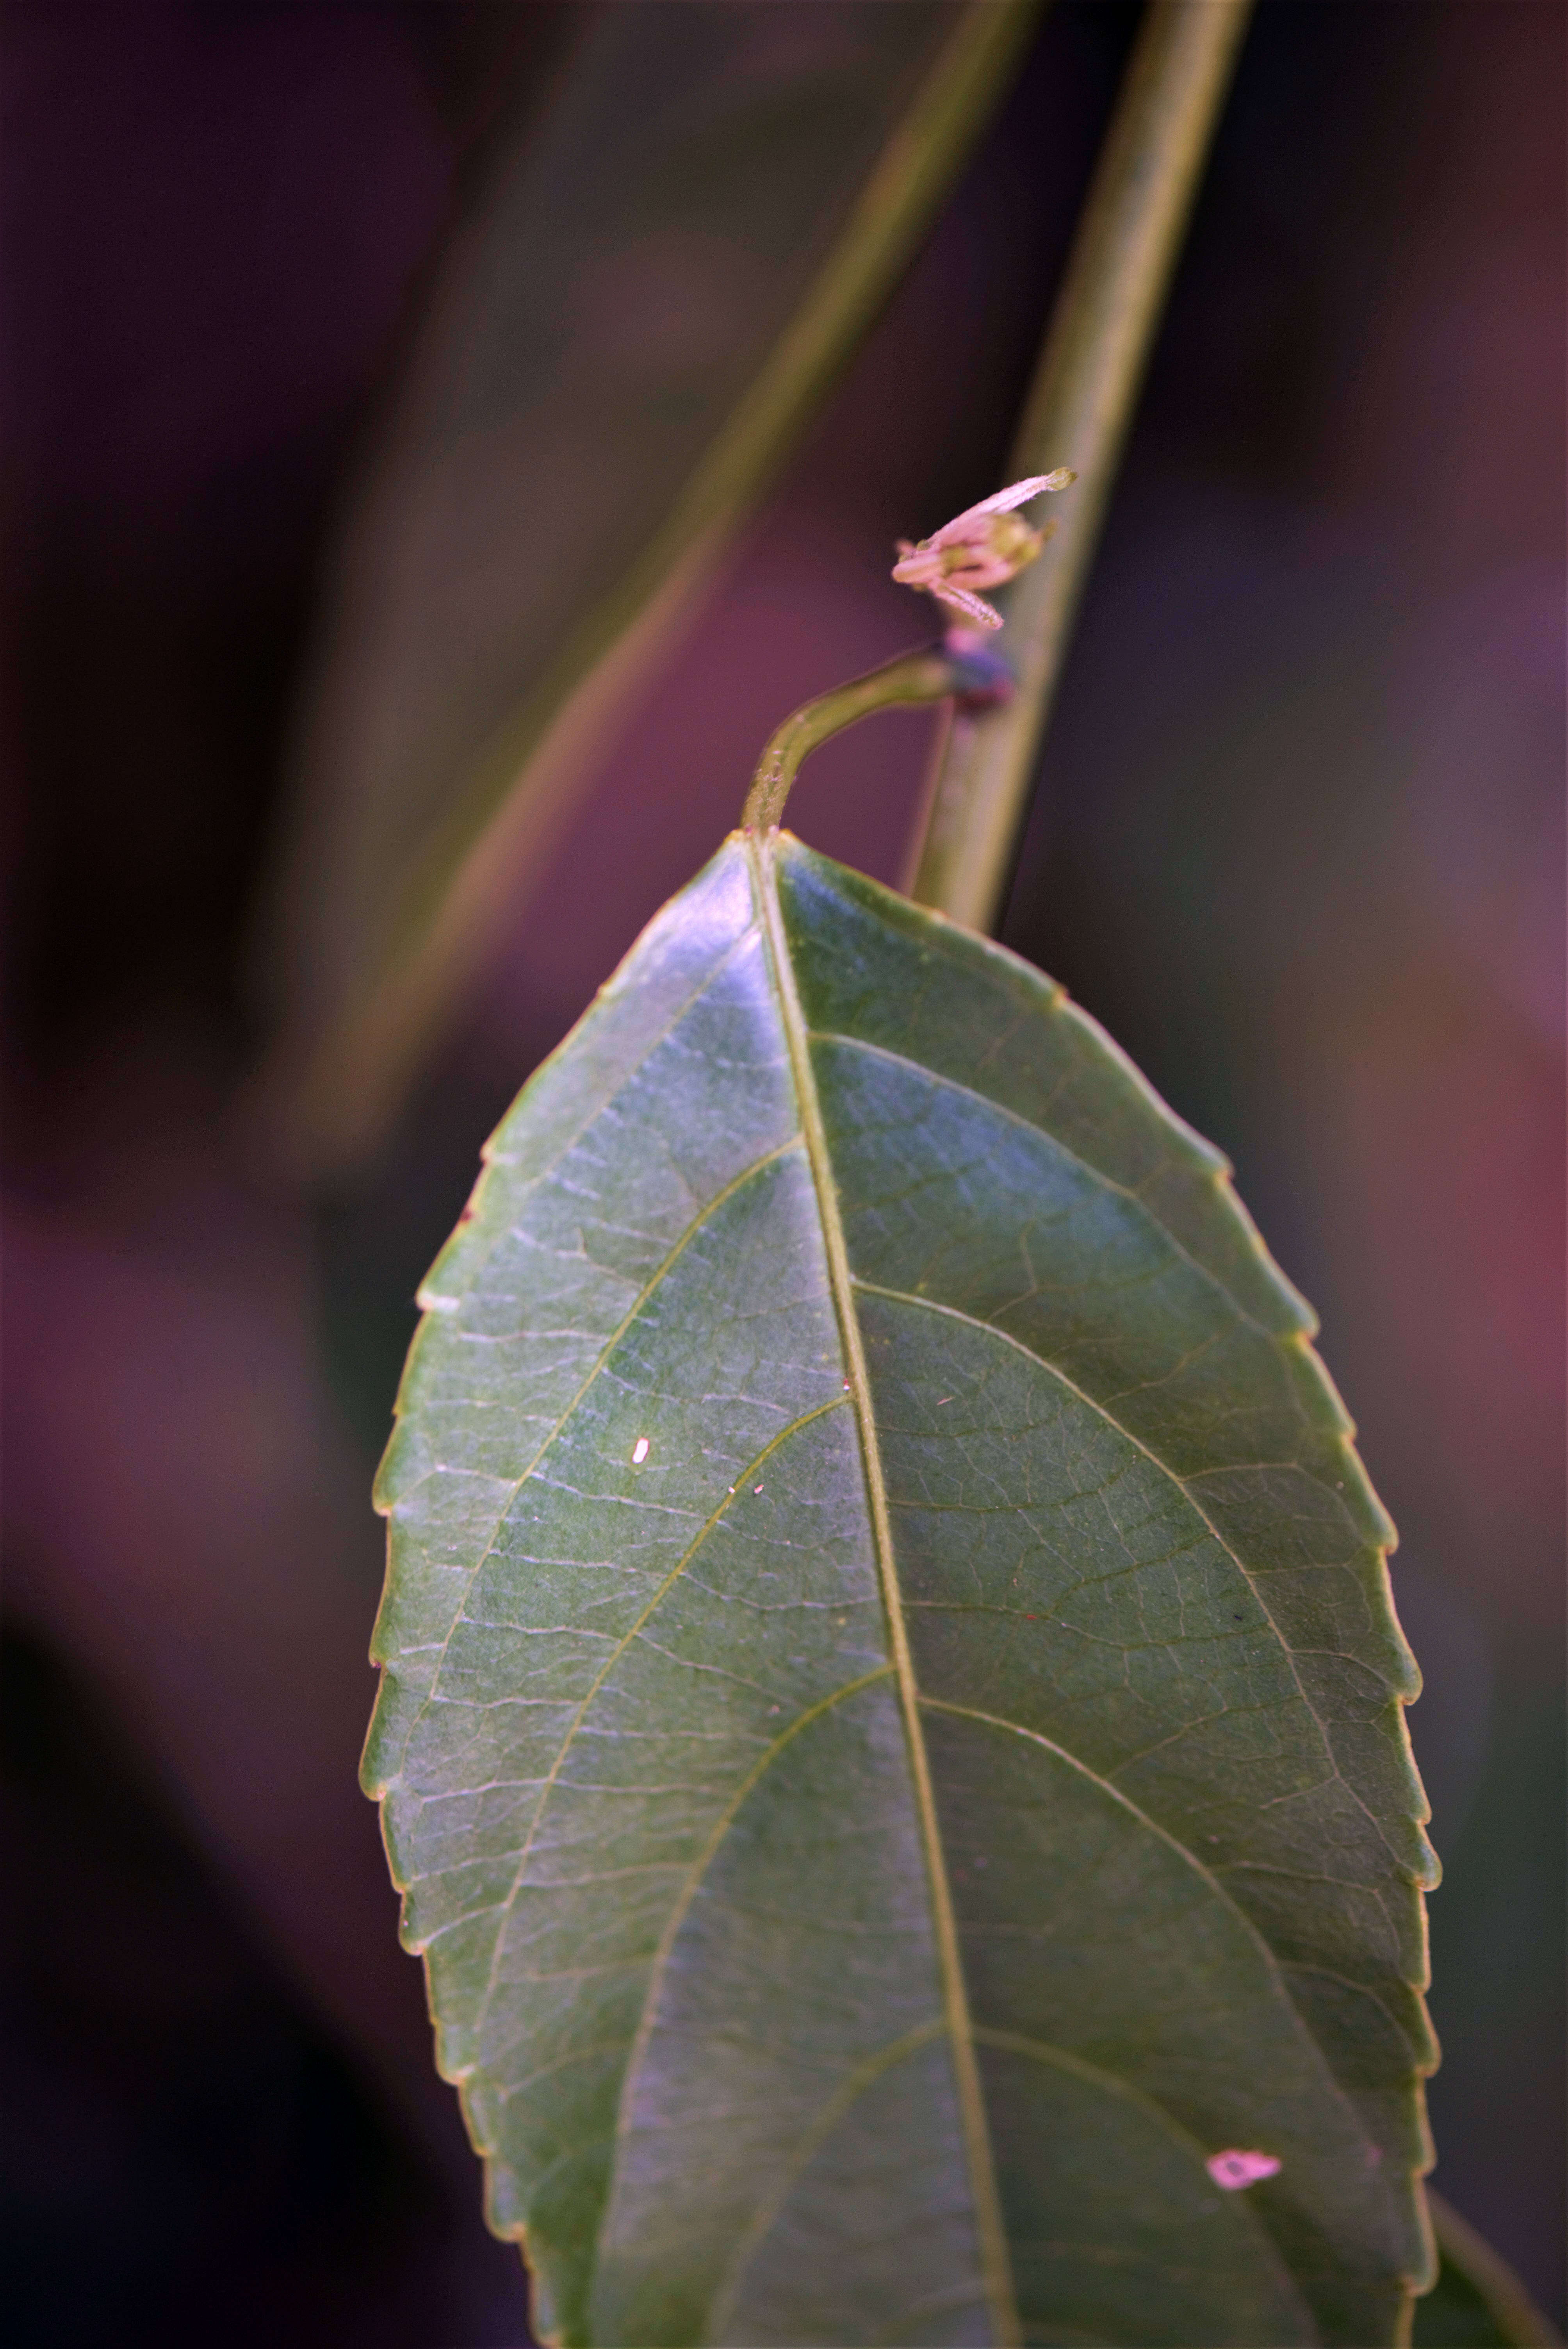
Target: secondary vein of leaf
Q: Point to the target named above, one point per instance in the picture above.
(996, 2263)
(1041, 2051)
(602, 1675)
(514, 1485)
(865, 2075)
(957, 1313)
(1273, 1966)
(939, 1076)
(704, 1861)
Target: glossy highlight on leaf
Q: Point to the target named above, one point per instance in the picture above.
(891, 1728)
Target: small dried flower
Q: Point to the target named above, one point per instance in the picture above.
(985, 546)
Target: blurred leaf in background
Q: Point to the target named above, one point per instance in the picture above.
(678, 250)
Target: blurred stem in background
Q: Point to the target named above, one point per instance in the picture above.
(1076, 413)
(1478, 2297)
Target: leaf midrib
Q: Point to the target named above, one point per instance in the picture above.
(995, 2258)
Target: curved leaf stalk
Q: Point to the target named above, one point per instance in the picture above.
(924, 676)
(1078, 412)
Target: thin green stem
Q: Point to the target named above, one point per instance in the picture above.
(923, 676)
(1076, 413)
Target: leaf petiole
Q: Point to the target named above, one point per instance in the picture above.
(926, 675)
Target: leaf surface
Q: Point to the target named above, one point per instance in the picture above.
(891, 1733)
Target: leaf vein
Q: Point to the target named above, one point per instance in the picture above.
(990, 2225)
(957, 1313)
(1096, 1174)
(620, 1648)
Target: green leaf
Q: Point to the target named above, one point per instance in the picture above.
(672, 262)
(1476, 2302)
(892, 1731)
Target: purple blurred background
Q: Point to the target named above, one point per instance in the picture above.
(1298, 843)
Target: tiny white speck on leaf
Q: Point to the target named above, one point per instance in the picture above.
(639, 1451)
(1234, 2169)
(757, 1488)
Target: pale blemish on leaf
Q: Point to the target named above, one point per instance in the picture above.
(1234, 2169)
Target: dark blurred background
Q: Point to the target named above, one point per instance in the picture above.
(1298, 842)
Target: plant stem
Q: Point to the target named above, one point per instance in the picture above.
(1076, 413)
(923, 676)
